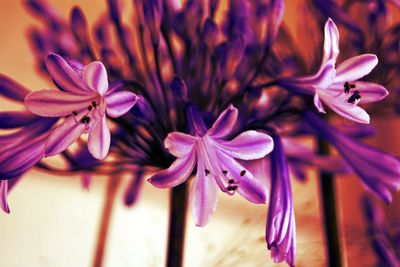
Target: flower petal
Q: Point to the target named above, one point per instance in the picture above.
(355, 68)
(350, 112)
(15, 119)
(95, 76)
(64, 75)
(204, 196)
(64, 135)
(3, 196)
(248, 187)
(176, 174)
(195, 121)
(318, 104)
(180, 144)
(331, 41)
(248, 145)
(11, 89)
(371, 92)
(99, 138)
(53, 103)
(224, 124)
(119, 103)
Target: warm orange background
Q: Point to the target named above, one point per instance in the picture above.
(54, 222)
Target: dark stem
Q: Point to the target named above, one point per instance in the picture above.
(329, 211)
(177, 222)
(111, 190)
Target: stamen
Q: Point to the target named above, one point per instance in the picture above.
(225, 172)
(243, 173)
(207, 172)
(94, 104)
(232, 188)
(347, 86)
(354, 97)
(89, 108)
(74, 113)
(231, 181)
(85, 120)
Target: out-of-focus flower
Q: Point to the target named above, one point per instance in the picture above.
(86, 99)
(379, 171)
(216, 162)
(337, 86)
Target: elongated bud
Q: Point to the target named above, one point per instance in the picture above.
(79, 25)
(210, 34)
(132, 193)
(179, 88)
(152, 16)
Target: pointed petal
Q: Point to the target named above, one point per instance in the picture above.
(64, 135)
(64, 75)
(95, 76)
(53, 103)
(247, 146)
(371, 92)
(204, 196)
(119, 103)
(350, 112)
(331, 41)
(176, 174)
(3, 196)
(223, 126)
(318, 104)
(99, 138)
(180, 144)
(195, 122)
(355, 68)
(248, 187)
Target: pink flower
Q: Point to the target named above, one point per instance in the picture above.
(216, 160)
(85, 101)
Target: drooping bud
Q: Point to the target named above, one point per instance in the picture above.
(179, 88)
(152, 15)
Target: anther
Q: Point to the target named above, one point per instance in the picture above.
(347, 86)
(85, 120)
(231, 181)
(207, 172)
(74, 113)
(243, 173)
(354, 97)
(89, 108)
(94, 104)
(225, 172)
(232, 187)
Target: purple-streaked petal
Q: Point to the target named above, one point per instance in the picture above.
(65, 76)
(119, 103)
(355, 68)
(323, 79)
(331, 41)
(15, 119)
(99, 138)
(64, 135)
(248, 187)
(204, 195)
(19, 158)
(371, 92)
(180, 144)
(224, 124)
(176, 174)
(248, 145)
(53, 103)
(350, 111)
(3, 196)
(318, 104)
(95, 76)
(11, 89)
(195, 122)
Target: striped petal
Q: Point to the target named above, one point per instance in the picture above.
(95, 76)
(355, 68)
(99, 139)
(119, 103)
(223, 126)
(180, 144)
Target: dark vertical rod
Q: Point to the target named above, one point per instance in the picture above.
(177, 222)
(329, 212)
(111, 190)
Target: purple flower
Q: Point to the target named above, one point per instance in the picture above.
(280, 232)
(216, 162)
(379, 171)
(338, 87)
(86, 99)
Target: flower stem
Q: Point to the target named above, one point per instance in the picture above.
(111, 190)
(177, 222)
(329, 210)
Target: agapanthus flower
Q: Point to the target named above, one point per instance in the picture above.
(85, 101)
(338, 86)
(379, 171)
(216, 161)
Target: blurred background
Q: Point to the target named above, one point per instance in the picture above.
(54, 222)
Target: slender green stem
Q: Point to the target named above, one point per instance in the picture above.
(329, 212)
(111, 190)
(177, 222)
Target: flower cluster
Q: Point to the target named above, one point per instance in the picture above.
(183, 93)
